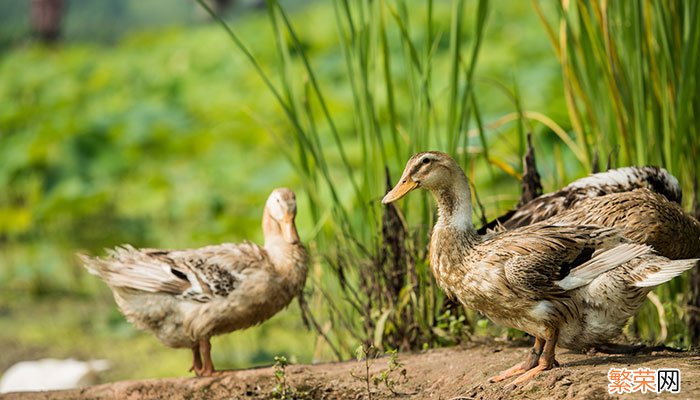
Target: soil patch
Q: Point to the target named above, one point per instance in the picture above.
(449, 374)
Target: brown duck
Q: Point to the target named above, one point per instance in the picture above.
(573, 285)
(618, 180)
(642, 216)
(187, 296)
(643, 202)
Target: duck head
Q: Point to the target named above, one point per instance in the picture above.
(279, 214)
(444, 178)
(431, 170)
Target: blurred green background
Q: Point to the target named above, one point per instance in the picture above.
(143, 124)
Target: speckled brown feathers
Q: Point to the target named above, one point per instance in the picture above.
(506, 276)
(618, 180)
(644, 217)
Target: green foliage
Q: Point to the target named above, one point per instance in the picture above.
(397, 301)
(393, 375)
(96, 149)
(365, 354)
(282, 390)
(630, 80)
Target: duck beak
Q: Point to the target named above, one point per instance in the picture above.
(289, 232)
(405, 185)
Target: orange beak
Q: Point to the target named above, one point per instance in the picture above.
(405, 185)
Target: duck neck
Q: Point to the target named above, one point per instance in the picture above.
(453, 236)
(288, 259)
(454, 204)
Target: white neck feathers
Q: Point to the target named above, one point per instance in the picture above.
(454, 204)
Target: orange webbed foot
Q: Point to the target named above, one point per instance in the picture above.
(531, 362)
(512, 371)
(542, 366)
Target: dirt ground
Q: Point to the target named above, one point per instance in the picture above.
(458, 373)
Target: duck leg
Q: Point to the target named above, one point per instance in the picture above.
(545, 362)
(207, 364)
(525, 366)
(196, 360)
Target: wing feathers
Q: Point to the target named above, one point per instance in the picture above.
(668, 271)
(199, 274)
(600, 263)
(129, 268)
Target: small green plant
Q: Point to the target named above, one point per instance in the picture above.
(282, 390)
(394, 374)
(365, 353)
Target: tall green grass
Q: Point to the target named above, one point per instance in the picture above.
(403, 101)
(631, 79)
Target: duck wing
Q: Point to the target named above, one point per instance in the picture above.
(642, 216)
(541, 261)
(199, 274)
(617, 180)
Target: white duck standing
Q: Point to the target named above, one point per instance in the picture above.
(187, 296)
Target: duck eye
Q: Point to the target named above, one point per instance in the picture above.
(426, 160)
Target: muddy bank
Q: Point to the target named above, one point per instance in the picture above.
(454, 373)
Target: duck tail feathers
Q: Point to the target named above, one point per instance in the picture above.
(668, 271)
(601, 263)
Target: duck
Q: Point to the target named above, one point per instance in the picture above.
(185, 297)
(567, 285)
(619, 180)
(643, 202)
(642, 216)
